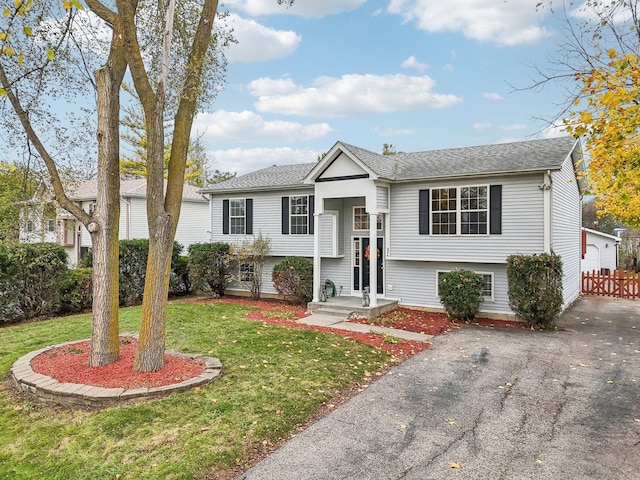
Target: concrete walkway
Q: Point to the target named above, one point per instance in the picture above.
(489, 403)
(339, 322)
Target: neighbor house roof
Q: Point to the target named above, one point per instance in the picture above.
(602, 234)
(87, 190)
(503, 158)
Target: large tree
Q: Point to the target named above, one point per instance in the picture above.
(597, 63)
(23, 78)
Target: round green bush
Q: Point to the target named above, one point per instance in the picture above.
(461, 293)
(293, 279)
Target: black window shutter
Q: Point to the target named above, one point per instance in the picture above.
(423, 212)
(285, 215)
(248, 212)
(225, 217)
(495, 209)
(312, 208)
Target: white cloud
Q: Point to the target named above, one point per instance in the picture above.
(243, 161)
(492, 96)
(504, 23)
(257, 43)
(412, 62)
(250, 127)
(481, 127)
(394, 132)
(302, 8)
(514, 127)
(91, 33)
(556, 129)
(349, 95)
(596, 11)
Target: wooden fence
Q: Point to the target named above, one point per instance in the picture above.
(618, 283)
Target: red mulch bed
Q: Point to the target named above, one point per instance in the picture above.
(69, 363)
(429, 323)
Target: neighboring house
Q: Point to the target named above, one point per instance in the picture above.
(426, 213)
(599, 251)
(42, 223)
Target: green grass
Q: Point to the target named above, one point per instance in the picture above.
(274, 377)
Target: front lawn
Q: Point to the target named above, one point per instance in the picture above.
(274, 378)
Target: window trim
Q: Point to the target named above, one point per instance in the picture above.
(246, 272)
(490, 298)
(458, 211)
(298, 215)
(379, 222)
(243, 216)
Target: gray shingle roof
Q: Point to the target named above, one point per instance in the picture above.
(533, 155)
(502, 158)
(282, 176)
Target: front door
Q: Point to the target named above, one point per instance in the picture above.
(362, 256)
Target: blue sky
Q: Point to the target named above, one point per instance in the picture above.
(417, 74)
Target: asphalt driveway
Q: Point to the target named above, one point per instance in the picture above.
(490, 404)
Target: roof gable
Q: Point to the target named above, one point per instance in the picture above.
(341, 167)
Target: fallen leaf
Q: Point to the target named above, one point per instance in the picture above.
(402, 426)
(454, 465)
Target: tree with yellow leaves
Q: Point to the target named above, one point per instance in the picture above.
(609, 120)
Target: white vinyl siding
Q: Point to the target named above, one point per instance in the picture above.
(329, 233)
(415, 283)
(565, 230)
(522, 224)
(382, 198)
(267, 211)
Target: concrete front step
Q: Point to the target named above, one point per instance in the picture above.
(344, 306)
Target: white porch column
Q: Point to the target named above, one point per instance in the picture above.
(373, 260)
(316, 257)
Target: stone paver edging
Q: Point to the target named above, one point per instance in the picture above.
(47, 389)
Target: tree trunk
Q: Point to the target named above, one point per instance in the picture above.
(105, 221)
(151, 341)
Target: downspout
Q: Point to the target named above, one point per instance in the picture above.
(127, 217)
(548, 227)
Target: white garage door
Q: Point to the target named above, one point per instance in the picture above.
(591, 259)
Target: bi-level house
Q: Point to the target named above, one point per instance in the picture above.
(43, 221)
(395, 223)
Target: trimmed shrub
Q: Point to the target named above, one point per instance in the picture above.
(133, 268)
(210, 266)
(179, 283)
(77, 294)
(31, 279)
(293, 279)
(461, 293)
(535, 288)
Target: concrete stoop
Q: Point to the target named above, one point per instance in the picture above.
(344, 307)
